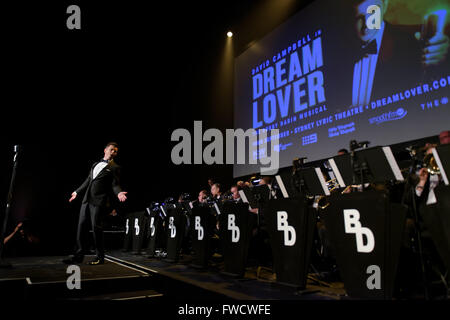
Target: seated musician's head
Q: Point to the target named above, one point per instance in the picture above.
(428, 148)
(202, 195)
(215, 190)
(266, 180)
(444, 137)
(235, 192)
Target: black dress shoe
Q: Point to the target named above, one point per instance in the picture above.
(96, 261)
(73, 260)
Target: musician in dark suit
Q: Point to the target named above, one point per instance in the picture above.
(235, 193)
(102, 182)
(216, 192)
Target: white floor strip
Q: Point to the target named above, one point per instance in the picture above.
(93, 279)
(134, 264)
(140, 297)
(123, 265)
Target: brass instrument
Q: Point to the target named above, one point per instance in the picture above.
(347, 189)
(429, 162)
(322, 201)
(332, 184)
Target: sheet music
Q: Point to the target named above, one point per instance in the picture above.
(336, 172)
(394, 165)
(282, 186)
(244, 198)
(441, 167)
(323, 183)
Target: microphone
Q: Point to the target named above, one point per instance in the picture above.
(299, 162)
(17, 148)
(356, 145)
(364, 144)
(413, 149)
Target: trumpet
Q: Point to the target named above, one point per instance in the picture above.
(429, 162)
(332, 184)
(322, 201)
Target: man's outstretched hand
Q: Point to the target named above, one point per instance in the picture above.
(74, 195)
(122, 196)
(18, 227)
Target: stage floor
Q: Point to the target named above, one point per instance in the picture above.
(130, 276)
(42, 278)
(258, 284)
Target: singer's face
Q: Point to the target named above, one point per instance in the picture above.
(365, 34)
(110, 152)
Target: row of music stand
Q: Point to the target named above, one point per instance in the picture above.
(353, 220)
(365, 228)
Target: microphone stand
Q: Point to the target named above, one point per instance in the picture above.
(4, 264)
(359, 168)
(353, 166)
(353, 147)
(257, 197)
(299, 181)
(409, 188)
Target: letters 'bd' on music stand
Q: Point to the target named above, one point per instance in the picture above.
(380, 164)
(313, 183)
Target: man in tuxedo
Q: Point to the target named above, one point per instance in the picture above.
(428, 182)
(235, 193)
(382, 61)
(103, 181)
(216, 192)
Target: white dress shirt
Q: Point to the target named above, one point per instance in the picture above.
(434, 181)
(272, 192)
(99, 167)
(364, 74)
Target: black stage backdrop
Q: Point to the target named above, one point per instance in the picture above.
(132, 74)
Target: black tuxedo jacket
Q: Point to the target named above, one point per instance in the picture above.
(98, 190)
(399, 62)
(398, 67)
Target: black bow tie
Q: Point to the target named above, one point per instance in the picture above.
(103, 160)
(370, 48)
